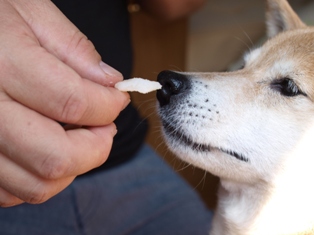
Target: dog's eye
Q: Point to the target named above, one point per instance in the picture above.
(286, 87)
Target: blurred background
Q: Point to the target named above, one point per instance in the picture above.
(212, 39)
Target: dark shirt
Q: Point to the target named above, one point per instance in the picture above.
(106, 24)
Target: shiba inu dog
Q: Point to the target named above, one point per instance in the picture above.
(254, 128)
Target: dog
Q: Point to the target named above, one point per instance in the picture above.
(253, 128)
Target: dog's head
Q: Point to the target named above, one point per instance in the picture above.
(249, 124)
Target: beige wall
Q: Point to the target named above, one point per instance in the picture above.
(221, 31)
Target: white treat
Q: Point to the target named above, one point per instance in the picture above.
(138, 84)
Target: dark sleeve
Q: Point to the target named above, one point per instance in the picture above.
(106, 24)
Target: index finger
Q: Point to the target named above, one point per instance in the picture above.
(48, 86)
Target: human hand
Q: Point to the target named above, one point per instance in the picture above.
(50, 73)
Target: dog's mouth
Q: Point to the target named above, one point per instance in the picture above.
(179, 136)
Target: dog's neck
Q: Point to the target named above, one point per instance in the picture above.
(251, 209)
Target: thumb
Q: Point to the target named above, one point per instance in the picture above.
(61, 38)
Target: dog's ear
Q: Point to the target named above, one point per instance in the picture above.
(280, 17)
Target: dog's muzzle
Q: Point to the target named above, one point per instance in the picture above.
(172, 84)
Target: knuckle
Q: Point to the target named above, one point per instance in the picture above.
(37, 194)
(74, 107)
(79, 43)
(55, 167)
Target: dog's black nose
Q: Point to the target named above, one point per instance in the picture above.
(172, 84)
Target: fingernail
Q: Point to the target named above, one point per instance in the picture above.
(115, 131)
(114, 75)
(113, 128)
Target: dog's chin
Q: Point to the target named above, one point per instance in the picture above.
(180, 143)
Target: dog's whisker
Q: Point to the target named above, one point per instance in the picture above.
(201, 181)
(186, 165)
(248, 37)
(244, 42)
